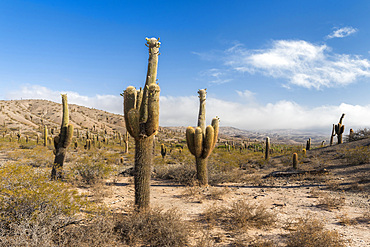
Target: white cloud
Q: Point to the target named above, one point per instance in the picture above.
(301, 63)
(111, 103)
(216, 76)
(342, 32)
(183, 111)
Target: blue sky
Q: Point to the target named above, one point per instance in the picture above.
(265, 64)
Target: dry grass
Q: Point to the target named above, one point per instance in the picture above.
(330, 202)
(239, 215)
(153, 228)
(199, 194)
(310, 232)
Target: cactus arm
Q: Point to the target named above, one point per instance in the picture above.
(198, 142)
(139, 98)
(202, 110)
(208, 142)
(152, 123)
(341, 118)
(215, 125)
(129, 100)
(132, 123)
(190, 132)
(65, 117)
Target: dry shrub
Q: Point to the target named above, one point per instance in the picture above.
(197, 193)
(89, 173)
(239, 215)
(98, 231)
(330, 202)
(153, 227)
(310, 232)
(183, 174)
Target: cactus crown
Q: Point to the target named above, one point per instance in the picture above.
(141, 107)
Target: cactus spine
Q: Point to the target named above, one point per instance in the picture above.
(267, 151)
(339, 130)
(62, 141)
(141, 113)
(202, 140)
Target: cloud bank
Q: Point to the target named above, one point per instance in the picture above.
(183, 111)
(301, 63)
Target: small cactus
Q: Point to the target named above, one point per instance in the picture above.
(202, 140)
(163, 151)
(295, 160)
(308, 144)
(62, 141)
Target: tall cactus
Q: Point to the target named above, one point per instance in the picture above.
(202, 140)
(45, 135)
(267, 151)
(339, 130)
(141, 112)
(62, 141)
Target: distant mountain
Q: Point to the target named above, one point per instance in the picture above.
(31, 115)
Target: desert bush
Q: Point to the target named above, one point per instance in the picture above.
(358, 156)
(89, 173)
(358, 135)
(310, 232)
(26, 192)
(153, 227)
(239, 215)
(330, 202)
(95, 232)
(32, 206)
(180, 173)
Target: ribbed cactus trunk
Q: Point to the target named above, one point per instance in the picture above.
(142, 171)
(202, 170)
(141, 112)
(62, 141)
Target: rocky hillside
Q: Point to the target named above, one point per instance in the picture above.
(31, 115)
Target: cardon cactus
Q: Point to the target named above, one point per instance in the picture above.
(339, 130)
(45, 135)
(267, 151)
(202, 140)
(62, 141)
(308, 144)
(141, 113)
(295, 160)
(163, 151)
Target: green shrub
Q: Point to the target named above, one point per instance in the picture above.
(90, 172)
(25, 193)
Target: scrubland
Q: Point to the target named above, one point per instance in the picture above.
(250, 201)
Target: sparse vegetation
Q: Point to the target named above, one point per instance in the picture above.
(310, 232)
